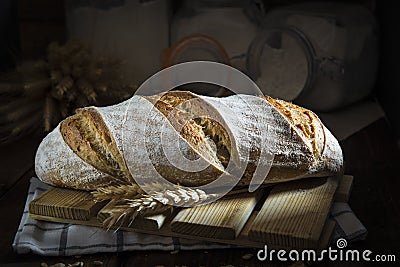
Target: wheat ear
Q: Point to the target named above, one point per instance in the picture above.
(129, 204)
(117, 193)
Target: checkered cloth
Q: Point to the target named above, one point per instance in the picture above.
(61, 239)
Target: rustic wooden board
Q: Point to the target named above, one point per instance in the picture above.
(66, 203)
(223, 219)
(212, 222)
(294, 213)
(326, 235)
(344, 189)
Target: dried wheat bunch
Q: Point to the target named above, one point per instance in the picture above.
(124, 212)
(128, 202)
(38, 94)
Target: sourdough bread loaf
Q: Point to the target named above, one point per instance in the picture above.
(166, 135)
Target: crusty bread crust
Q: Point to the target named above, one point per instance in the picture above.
(305, 122)
(327, 158)
(58, 165)
(302, 145)
(89, 137)
(138, 137)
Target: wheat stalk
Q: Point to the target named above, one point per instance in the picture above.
(130, 201)
(124, 212)
(117, 193)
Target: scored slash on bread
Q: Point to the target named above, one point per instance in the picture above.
(117, 144)
(89, 137)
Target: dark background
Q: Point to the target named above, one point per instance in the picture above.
(372, 155)
(27, 27)
(387, 87)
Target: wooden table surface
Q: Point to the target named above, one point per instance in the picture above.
(371, 155)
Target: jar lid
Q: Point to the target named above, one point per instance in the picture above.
(195, 47)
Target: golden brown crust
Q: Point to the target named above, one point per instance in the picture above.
(171, 105)
(89, 137)
(75, 139)
(199, 130)
(305, 122)
(175, 98)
